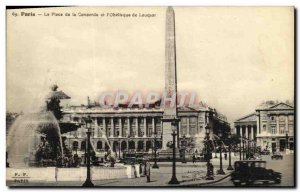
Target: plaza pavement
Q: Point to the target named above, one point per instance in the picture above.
(187, 174)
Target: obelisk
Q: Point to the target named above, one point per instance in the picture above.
(170, 93)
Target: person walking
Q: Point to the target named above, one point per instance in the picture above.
(194, 158)
(148, 167)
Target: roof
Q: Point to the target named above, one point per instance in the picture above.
(276, 106)
(249, 117)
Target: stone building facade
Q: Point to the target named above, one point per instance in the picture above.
(132, 129)
(271, 127)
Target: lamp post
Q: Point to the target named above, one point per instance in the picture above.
(209, 173)
(183, 149)
(155, 166)
(174, 129)
(220, 171)
(229, 150)
(88, 182)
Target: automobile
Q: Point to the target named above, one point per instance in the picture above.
(256, 156)
(248, 172)
(265, 152)
(277, 155)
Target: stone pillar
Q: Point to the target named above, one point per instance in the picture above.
(121, 127)
(153, 127)
(136, 145)
(112, 131)
(287, 123)
(277, 125)
(103, 144)
(144, 145)
(96, 128)
(252, 132)
(137, 127)
(104, 127)
(128, 127)
(145, 127)
(179, 128)
(241, 134)
(188, 127)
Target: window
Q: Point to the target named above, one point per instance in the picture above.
(273, 130)
(272, 118)
(264, 127)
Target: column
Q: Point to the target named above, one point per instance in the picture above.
(161, 126)
(104, 127)
(96, 128)
(179, 128)
(121, 127)
(252, 132)
(153, 127)
(128, 127)
(277, 125)
(187, 126)
(103, 144)
(137, 127)
(287, 123)
(247, 132)
(240, 132)
(112, 131)
(144, 145)
(145, 126)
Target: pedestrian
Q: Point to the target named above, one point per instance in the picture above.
(194, 158)
(225, 156)
(148, 171)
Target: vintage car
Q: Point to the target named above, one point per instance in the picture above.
(277, 155)
(248, 172)
(265, 152)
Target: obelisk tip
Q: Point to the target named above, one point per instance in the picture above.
(170, 9)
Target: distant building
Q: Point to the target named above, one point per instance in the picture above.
(271, 126)
(132, 129)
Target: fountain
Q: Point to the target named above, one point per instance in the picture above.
(199, 138)
(30, 136)
(35, 138)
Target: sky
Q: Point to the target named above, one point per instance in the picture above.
(232, 57)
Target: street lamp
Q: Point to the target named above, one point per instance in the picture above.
(229, 150)
(174, 129)
(155, 166)
(220, 171)
(183, 149)
(88, 182)
(209, 173)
